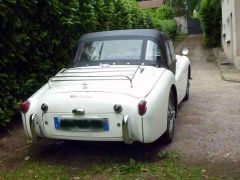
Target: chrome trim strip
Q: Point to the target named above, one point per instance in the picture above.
(125, 130)
(87, 78)
(91, 72)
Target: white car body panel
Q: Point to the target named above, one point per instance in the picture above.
(92, 92)
(98, 100)
(181, 76)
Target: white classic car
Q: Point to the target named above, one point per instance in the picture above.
(122, 86)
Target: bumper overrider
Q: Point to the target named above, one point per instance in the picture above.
(33, 124)
(125, 130)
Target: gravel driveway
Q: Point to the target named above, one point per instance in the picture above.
(209, 123)
(207, 128)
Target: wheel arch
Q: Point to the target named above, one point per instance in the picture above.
(189, 72)
(174, 90)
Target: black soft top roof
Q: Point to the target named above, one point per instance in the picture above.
(152, 33)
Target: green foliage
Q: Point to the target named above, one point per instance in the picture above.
(179, 38)
(169, 27)
(192, 5)
(37, 170)
(163, 20)
(210, 16)
(167, 166)
(178, 6)
(37, 38)
(181, 7)
(169, 155)
(164, 12)
(131, 167)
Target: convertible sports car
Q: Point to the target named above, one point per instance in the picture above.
(122, 86)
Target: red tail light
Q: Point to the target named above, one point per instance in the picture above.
(142, 107)
(24, 106)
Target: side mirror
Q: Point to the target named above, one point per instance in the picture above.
(185, 51)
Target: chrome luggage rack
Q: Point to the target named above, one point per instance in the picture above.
(63, 75)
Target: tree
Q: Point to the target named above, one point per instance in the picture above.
(181, 7)
(191, 6)
(210, 13)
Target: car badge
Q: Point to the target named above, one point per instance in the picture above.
(84, 86)
(73, 96)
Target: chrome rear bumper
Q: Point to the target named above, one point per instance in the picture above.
(33, 123)
(125, 130)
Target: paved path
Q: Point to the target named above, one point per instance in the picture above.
(209, 123)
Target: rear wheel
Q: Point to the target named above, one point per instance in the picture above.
(171, 118)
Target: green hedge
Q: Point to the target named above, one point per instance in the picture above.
(210, 16)
(38, 36)
(169, 27)
(164, 12)
(163, 20)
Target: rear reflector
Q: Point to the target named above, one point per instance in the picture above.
(24, 106)
(142, 107)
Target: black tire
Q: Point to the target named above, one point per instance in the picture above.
(171, 119)
(187, 91)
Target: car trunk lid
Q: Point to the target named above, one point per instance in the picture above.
(135, 81)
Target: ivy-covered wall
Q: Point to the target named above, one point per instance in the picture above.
(38, 37)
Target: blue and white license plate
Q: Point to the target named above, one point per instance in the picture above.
(82, 124)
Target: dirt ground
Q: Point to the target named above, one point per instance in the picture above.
(207, 129)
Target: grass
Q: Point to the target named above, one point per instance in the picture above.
(36, 170)
(167, 166)
(179, 38)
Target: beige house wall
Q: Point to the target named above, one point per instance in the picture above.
(237, 15)
(231, 30)
(182, 24)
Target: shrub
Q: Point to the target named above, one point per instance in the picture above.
(38, 36)
(163, 20)
(164, 12)
(210, 16)
(169, 27)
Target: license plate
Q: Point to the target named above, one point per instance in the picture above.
(82, 124)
